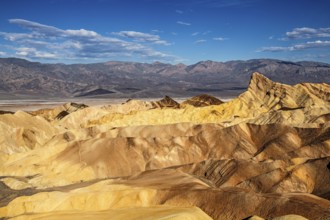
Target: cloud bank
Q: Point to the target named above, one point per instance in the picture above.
(306, 32)
(142, 37)
(298, 35)
(49, 42)
(304, 46)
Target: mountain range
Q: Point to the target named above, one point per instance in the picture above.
(20, 78)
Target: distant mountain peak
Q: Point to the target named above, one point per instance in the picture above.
(180, 65)
(158, 63)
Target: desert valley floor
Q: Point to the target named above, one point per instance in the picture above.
(262, 155)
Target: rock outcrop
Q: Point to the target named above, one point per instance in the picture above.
(202, 100)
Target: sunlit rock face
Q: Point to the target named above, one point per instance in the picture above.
(262, 155)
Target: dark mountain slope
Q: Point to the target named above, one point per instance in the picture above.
(130, 79)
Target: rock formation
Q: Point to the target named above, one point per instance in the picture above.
(262, 155)
(201, 101)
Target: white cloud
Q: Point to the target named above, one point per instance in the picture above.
(220, 38)
(70, 44)
(24, 51)
(194, 34)
(200, 41)
(34, 53)
(304, 46)
(16, 36)
(313, 44)
(306, 32)
(46, 55)
(81, 33)
(299, 34)
(3, 53)
(45, 31)
(162, 42)
(142, 37)
(48, 42)
(273, 49)
(37, 27)
(183, 23)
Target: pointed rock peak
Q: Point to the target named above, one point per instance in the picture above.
(259, 82)
(207, 61)
(168, 99)
(274, 95)
(166, 102)
(258, 76)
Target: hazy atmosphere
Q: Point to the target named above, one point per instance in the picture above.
(172, 31)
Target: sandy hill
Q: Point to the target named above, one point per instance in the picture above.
(262, 155)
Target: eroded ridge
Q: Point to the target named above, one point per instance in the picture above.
(265, 153)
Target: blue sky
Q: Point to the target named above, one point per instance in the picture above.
(172, 31)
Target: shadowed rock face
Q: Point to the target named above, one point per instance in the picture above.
(264, 154)
(5, 112)
(166, 102)
(202, 100)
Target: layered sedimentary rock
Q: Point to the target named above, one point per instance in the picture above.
(264, 154)
(201, 101)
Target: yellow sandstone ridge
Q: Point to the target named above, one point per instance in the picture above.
(262, 155)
